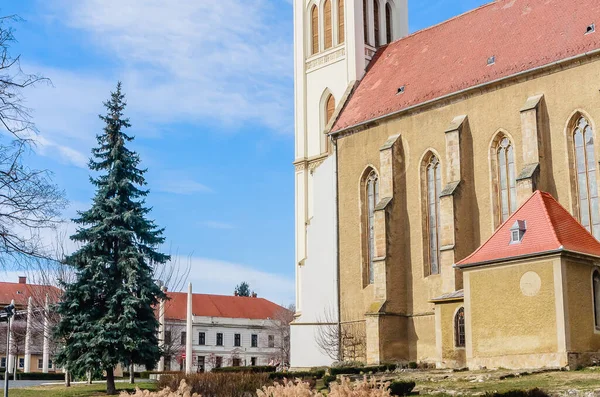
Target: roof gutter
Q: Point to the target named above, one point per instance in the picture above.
(465, 90)
(560, 250)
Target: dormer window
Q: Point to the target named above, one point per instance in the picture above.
(517, 231)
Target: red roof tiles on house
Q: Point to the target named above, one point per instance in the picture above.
(21, 293)
(453, 56)
(549, 227)
(221, 306)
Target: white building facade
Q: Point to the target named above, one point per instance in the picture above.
(334, 40)
(221, 331)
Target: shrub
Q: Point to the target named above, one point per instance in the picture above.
(313, 374)
(35, 376)
(253, 369)
(218, 384)
(146, 374)
(519, 393)
(401, 388)
(183, 390)
(412, 365)
(362, 370)
(327, 379)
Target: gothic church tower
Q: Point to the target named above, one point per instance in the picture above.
(334, 40)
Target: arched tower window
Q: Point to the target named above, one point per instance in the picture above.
(388, 23)
(459, 328)
(369, 198)
(314, 15)
(328, 24)
(327, 112)
(341, 24)
(506, 178)
(585, 168)
(366, 21)
(329, 108)
(433, 188)
(376, 21)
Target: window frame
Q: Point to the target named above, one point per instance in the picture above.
(237, 340)
(460, 337)
(202, 338)
(271, 341)
(596, 298)
(220, 339)
(369, 183)
(431, 160)
(327, 24)
(254, 340)
(315, 46)
(341, 26)
(183, 340)
(389, 23)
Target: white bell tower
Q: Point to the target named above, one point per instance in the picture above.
(334, 40)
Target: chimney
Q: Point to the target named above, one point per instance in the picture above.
(22, 280)
(254, 294)
(235, 293)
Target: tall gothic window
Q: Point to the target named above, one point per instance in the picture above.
(459, 328)
(507, 184)
(388, 23)
(376, 21)
(314, 13)
(372, 197)
(328, 24)
(596, 292)
(434, 188)
(366, 21)
(341, 24)
(587, 185)
(329, 108)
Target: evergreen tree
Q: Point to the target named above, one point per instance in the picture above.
(243, 289)
(107, 313)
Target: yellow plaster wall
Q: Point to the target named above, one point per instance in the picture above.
(583, 336)
(452, 356)
(506, 322)
(499, 108)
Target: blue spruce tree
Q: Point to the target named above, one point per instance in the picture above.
(107, 313)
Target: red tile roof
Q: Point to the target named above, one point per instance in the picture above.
(221, 306)
(550, 227)
(452, 56)
(21, 293)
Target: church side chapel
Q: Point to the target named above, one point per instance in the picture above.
(463, 168)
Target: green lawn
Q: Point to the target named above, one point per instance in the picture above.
(76, 390)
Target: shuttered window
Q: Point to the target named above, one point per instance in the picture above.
(328, 24)
(330, 108)
(341, 25)
(315, 29)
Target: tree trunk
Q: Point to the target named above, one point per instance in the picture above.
(15, 364)
(111, 390)
(89, 377)
(131, 374)
(67, 378)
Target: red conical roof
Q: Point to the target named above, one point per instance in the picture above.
(548, 227)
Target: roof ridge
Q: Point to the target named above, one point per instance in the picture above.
(499, 228)
(545, 195)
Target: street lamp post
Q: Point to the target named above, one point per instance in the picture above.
(10, 312)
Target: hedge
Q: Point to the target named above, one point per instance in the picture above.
(327, 379)
(315, 374)
(36, 376)
(361, 370)
(251, 369)
(401, 388)
(146, 374)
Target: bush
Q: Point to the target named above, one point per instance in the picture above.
(520, 393)
(218, 384)
(412, 365)
(252, 369)
(313, 374)
(327, 379)
(401, 388)
(36, 376)
(362, 370)
(146, 374)
(135, 374)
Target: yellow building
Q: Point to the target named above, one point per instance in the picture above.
(448, 133)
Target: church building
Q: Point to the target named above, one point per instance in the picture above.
(447, 198)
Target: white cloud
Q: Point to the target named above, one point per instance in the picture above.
(217, 225)
(178, 183)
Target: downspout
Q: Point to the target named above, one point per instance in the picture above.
(337, 236)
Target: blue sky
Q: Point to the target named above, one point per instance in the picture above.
(209, 86)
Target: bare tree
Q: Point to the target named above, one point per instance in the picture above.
(280, 326)
(341, 342)
(29, 201)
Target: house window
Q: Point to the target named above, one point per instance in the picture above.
(3, 362)
(237, 340)
(183, 338)
(167, 337)
(40, 364)
(328, 24)
(236, 362)
(202, 338)
(372, 197)
(517, 231)
(315, 29)
(219, 339)
(201, 367)
(506, 174)
(271, 340)
(218, 362)
(376, 21)
(21, 362)
(587, 185)
(49, 364)
(253, 361)
(388, 23)
(596, 286)
(433, 189)
(254, 340)
(341, 25)
(459, 328)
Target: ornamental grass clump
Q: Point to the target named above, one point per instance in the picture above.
(184, 390)
(345, 388)
(218, 384)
